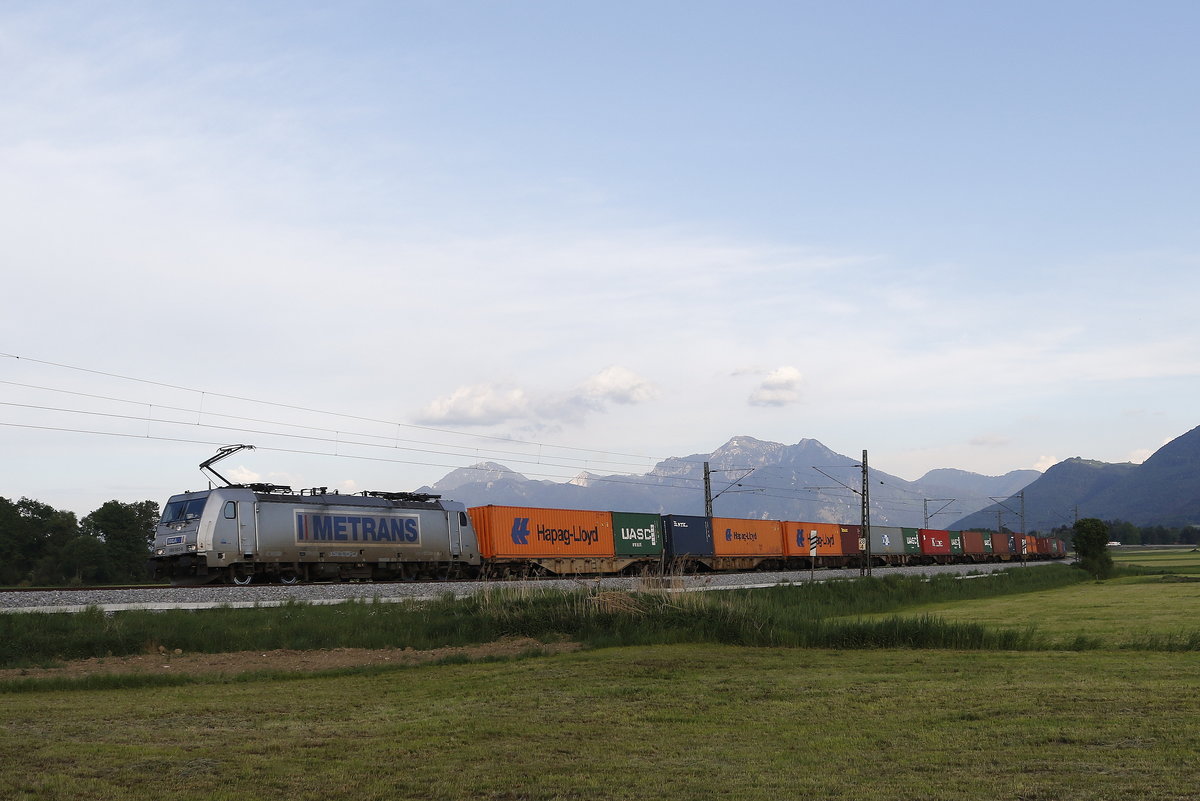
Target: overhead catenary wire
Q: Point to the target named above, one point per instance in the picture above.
(296, 407)
(339, 438)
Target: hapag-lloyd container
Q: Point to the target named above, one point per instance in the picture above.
(737, 537)
(517, 532)
(804, 539)
(636, 534)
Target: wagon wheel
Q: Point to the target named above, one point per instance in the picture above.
(289, 577)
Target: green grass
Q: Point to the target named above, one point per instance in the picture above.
(797, 616)
(886, 689)
(663, 722)
(1183, 561)
(1151, 612)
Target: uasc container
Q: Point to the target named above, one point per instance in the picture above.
(636, 534)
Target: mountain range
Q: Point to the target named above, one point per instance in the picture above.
(751, 478)
(1164, 491)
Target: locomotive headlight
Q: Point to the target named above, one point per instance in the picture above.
(192, 547)
(160, 551)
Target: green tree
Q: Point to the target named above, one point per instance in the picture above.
(126, 531)
(1090, 543)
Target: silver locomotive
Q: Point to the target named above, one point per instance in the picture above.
(265, 532)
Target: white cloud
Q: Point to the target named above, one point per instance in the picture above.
(1140, 455)
(244, 475)
(619, 385)
(781, 387)
(477, 405)
(488, 404)
(1044, 463)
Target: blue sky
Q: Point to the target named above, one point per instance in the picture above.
(954, 234)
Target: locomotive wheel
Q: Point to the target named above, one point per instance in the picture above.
(289, 578)
(242, 579)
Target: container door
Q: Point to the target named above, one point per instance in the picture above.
(247, 519)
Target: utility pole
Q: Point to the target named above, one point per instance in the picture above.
(866, 518)
(707, 491)
(926, 501)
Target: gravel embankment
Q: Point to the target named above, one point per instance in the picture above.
(274, 595)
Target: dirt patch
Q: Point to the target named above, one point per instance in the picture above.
(176, 662)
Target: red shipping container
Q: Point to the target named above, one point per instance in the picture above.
(735, 537)
(973, 542)
(935, 542)
(517, 532)
(1000, 543)
(851, 540)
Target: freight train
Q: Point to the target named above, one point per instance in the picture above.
(263, 532)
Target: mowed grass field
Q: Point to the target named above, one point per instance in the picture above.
(700, 720)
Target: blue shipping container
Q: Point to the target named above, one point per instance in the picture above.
(688, 535)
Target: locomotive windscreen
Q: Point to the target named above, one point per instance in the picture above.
(184, 509)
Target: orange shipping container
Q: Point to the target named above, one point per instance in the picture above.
(734, 537)
(798, 538)
(518, 532)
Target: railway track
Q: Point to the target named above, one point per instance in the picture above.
(115, 599)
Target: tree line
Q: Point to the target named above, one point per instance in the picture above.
(1127, 533)
(41, 545)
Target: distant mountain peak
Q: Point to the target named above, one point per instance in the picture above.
(481, 472)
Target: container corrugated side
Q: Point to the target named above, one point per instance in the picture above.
(799, 538)
(850, 540)
(637, 534)
(935, 542)
(687, 535)
(737, 537)
(973, 543)
(1000, 543)
(912, 540)
(517, 532)
(887, 539)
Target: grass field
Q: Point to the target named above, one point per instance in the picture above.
(1182, 560)
(1143, 612)
(672, 719)
(662, 722)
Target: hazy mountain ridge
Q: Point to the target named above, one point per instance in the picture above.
(1163, 490)
(805, 481)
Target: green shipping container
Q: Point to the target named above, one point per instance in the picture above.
(912, 541)
(956, 543)
(637, 534)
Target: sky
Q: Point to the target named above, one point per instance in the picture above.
(381, 240)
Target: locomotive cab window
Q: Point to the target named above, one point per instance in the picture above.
(182, 511)
(230, 510)
(462, 519)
